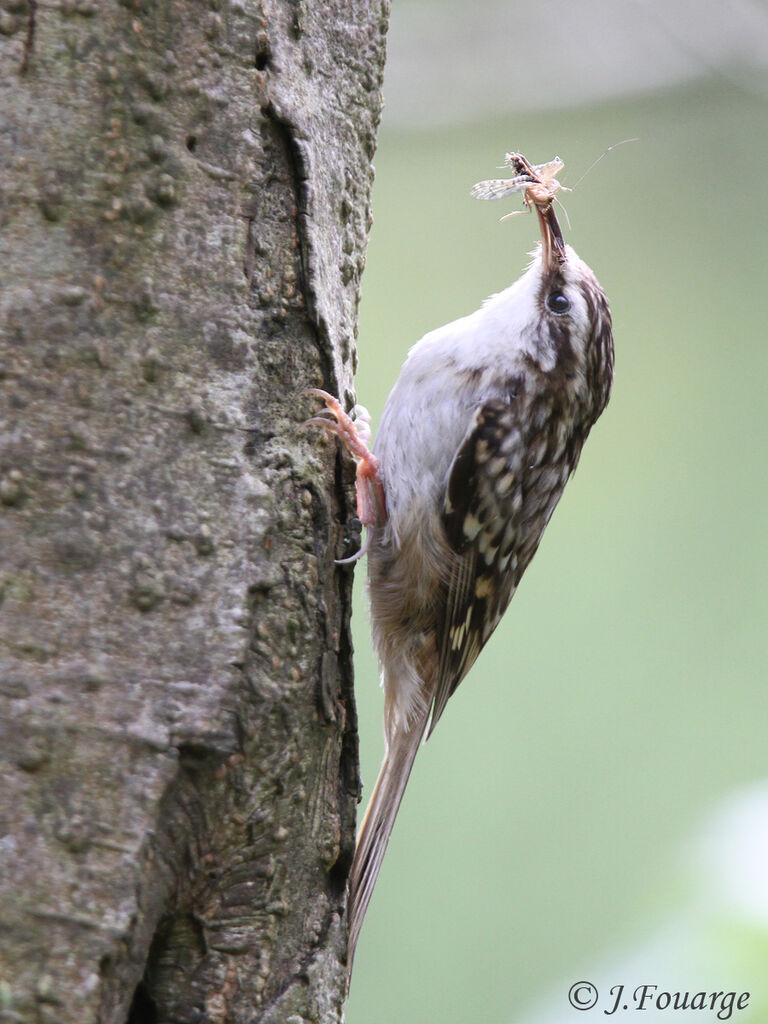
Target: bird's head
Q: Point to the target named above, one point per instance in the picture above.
(573, 330)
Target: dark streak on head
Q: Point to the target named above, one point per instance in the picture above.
(600, 355)
(557, 337)
(514, 386)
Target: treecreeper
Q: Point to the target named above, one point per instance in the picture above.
(483, 428)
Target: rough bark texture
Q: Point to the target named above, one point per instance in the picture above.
(184, 210)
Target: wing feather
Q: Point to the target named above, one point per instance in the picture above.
(483, 495)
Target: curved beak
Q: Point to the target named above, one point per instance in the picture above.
(552, 244)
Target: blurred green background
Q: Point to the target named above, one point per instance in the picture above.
(562, 822)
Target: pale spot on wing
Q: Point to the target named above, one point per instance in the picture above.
(504, 484)
(471, 526)
(457, 636)
(505, 561)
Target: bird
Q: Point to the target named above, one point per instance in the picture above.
(478, 438)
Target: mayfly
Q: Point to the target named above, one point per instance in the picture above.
(537, 182)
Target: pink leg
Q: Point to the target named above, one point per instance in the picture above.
(371, 501)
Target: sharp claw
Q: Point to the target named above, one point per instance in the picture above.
(355, 434)
(333, 406)
(328, 398)
(342, 431)
(358, 554)
(321, 421)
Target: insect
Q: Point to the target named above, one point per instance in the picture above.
(537, 182)
(539, 187)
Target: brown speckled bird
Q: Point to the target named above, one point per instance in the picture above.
(479, 436)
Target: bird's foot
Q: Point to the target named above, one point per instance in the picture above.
(355, 433)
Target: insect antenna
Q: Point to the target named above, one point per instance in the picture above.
(596, 162)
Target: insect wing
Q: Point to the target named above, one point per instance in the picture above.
(498, 188)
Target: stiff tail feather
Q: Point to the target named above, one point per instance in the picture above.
(378, 821)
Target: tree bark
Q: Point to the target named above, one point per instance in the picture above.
(185, 205)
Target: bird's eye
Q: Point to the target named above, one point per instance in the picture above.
(558, 303)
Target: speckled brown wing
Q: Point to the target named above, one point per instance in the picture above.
(482, 503)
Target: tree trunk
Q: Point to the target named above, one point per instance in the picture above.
(185, 204)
